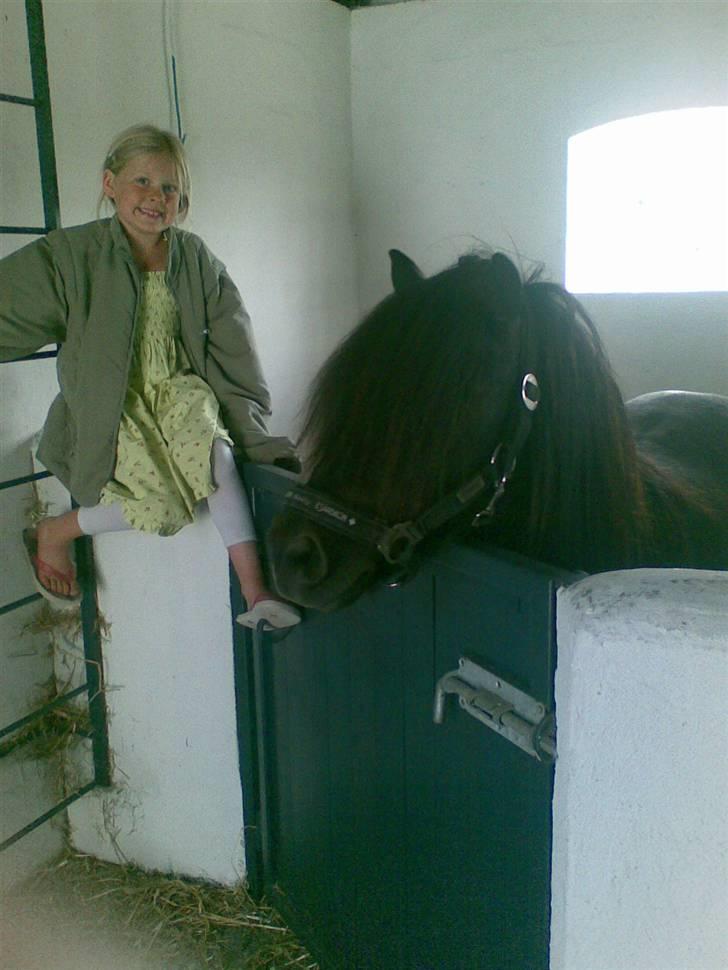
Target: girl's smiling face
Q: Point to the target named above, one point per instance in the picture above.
(146, 195)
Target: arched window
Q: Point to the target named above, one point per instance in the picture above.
(647, 204)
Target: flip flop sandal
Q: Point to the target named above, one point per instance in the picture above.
(38, 567)
(277, 615)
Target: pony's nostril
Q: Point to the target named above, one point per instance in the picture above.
(306, 558)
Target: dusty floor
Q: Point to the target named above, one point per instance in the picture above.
(84, 915)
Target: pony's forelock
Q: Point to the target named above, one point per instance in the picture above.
(399, 400)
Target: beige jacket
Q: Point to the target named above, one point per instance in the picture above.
(80, 288)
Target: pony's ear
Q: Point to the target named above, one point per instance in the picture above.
(404, 271)
(508, 285)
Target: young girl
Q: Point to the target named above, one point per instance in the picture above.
(159, 378)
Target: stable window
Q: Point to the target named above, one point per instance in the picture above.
(647, 204)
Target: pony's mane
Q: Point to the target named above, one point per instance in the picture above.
(414, 401)
(581, 482)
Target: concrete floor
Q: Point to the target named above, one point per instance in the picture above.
(43, 928)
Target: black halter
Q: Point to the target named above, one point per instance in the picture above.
(397, 543)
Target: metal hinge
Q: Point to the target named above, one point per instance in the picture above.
(516, 716)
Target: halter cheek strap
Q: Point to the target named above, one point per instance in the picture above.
(504, 458)
(398, 542)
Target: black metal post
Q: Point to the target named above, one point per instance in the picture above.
(43, 117)
(262, 750)
(94, 661)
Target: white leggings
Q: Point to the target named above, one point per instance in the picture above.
(228, 504)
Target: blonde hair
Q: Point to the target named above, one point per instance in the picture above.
(149, 140)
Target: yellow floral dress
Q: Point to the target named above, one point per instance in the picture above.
(168, 425)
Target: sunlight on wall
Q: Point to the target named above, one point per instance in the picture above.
(647, 204)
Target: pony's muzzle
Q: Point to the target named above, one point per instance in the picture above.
(300, 561)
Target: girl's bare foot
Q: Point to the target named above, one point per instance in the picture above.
(54, 537)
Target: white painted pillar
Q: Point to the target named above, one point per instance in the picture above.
(177, 801)
(640, 855)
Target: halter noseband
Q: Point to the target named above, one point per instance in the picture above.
(397, 543)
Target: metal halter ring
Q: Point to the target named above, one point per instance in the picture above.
(530, 392)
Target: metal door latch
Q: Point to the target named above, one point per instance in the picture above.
(516, 716)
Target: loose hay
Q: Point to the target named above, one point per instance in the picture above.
(60, 738)
(49, 735)
(222, 928)
(66, 623)
(35, 508)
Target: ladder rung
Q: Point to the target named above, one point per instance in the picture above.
(17, 604)
(24, 479)
(15, 99)
(41, 355)
(24, 230)
(46, 815)
(40, 711)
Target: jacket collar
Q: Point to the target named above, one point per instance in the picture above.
(173, 235)
(119, 238)
(173, 245)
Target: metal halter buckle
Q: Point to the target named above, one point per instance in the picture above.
(398, 542)
(500, 479)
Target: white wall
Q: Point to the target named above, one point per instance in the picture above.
(462, 112)
(265, 98)
(640, 853)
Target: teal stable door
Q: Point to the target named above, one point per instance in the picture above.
(388, 840)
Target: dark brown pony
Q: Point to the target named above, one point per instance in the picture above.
(416, 400)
